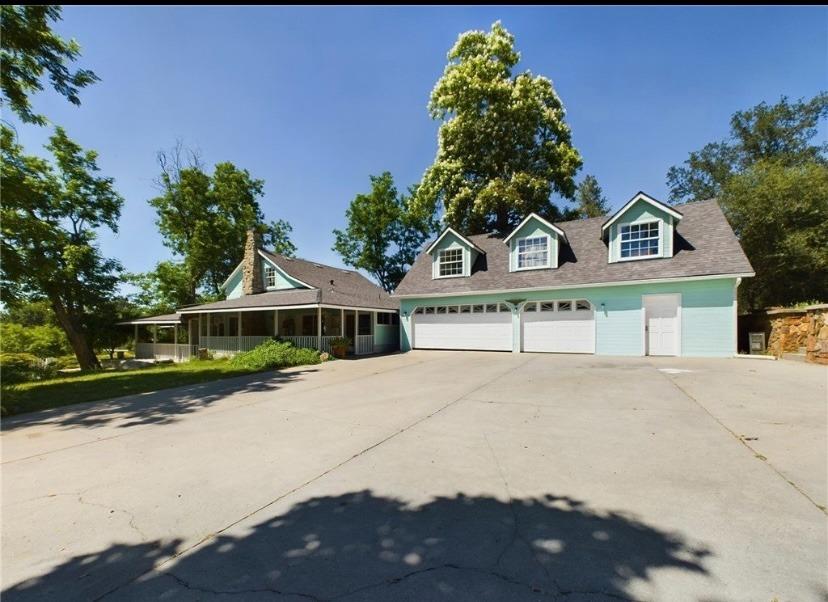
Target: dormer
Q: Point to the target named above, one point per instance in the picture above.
(642, 229)
(452, 255)
(534, 244)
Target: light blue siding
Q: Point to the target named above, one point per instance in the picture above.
(707, 314)
(283, 281)
(234, 286)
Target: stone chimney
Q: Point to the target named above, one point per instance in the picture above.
(252, 282)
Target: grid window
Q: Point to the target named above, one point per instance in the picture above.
(639, 240)
(564, 305)
(270, 276)
(491, 308)
(451, 262)
(533, 252)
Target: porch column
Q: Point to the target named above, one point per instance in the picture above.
(175, 342)
(356, 332)
(275, 322)
(238, 331)
(154, 338)
(319, 327)
(135, 344)
(342, 323)
(209, 332)
(199, 331)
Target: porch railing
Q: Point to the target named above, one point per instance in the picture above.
(165, 351)
(223, 346)
(364, 344)
(310, 342)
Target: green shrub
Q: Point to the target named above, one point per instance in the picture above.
(44, 340)
(23, 367)
(275, 354)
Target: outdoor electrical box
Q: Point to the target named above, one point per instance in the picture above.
(757, 342)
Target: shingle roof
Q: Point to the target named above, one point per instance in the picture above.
(331, 286)
(704, 245)
(162, 319)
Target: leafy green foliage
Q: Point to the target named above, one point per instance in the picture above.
(30, 50)
(781, 132)
(780, 214)
(45, 340)
(382, 236)
(271, 355)
(161, 290)
(50, 215)
(504, 147)
(770, 178)
(590, 199)
(204, 219)
(23, 367)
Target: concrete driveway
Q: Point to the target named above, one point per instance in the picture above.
(431, 475)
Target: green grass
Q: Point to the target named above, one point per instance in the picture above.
(66, 390)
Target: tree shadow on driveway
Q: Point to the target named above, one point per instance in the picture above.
(359, 546)
(159, 407)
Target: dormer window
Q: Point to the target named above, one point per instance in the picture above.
(450, 262)
(640, 240)
(533, 252)
(270, 276)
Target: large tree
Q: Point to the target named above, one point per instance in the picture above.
(783, 132)
(203, 218)
(504, 147)
(589, 199)
(382, 236)
(30, 50)
(50, 215)
(771, 179)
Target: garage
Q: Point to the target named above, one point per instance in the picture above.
(485, 327)
(564, 326)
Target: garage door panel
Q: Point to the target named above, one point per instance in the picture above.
(559, 332)
(487, 332)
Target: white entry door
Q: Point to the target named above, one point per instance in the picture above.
(476, 327)
(661, 324)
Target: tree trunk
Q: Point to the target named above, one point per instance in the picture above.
(87, 360)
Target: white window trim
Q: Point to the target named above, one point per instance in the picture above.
(636, 223)
(516, 253)
(462, 273)
(275, 285)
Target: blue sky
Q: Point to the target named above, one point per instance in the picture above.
(313, 100)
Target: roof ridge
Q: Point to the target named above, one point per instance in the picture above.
(312, 261)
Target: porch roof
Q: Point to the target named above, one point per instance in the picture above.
(162, 319)
(286, 298)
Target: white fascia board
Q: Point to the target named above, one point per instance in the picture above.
(458, 235)
(282, 270)
(575, 286)
(546, 223)
(233, 273)
(641, 196)
(303, 306)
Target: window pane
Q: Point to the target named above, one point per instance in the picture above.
(452, 309)
(550, 306)
(465, 309)
(478, 309)
(564, 305)
(533, 252)
(582, 304)
(419, 310)
(364, 324)
(429, 310)
(491, 308)
(441, 310)
(531, 307)
(451, 262)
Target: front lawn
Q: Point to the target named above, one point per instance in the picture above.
(53, 393)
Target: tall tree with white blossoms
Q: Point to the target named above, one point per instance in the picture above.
(504, 146)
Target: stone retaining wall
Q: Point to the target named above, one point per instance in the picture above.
(795, 329)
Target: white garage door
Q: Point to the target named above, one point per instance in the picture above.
(473, 327)
(566, 326)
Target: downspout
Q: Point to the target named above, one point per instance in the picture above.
(736, 317)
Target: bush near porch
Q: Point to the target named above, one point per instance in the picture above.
(101, 385)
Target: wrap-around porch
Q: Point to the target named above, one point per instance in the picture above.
(227, 332)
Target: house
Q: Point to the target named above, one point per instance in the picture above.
(270, 295)
(652, 279)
